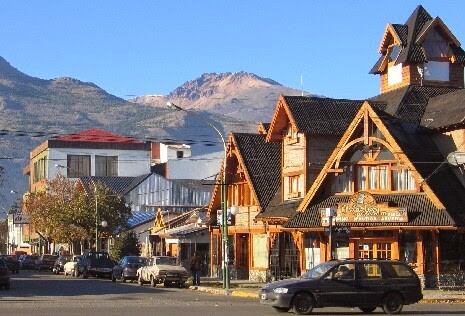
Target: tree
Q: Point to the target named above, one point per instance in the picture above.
(125, 244)
(3, 235)
(66, 212)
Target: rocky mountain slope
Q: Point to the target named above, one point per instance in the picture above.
(241, 95)
(34, 109)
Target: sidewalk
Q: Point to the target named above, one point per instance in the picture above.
(249, 289)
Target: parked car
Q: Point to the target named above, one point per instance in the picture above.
(11, 262)
(95, 263)
(28, 261)
(126, 269)
(70, 267)
(162, 269)
(46, 262)
(4, 275)
(365, 284)
(60, 263)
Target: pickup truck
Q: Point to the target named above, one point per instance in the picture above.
(95, 263)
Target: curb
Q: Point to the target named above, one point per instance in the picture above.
(216, 291)
(254, 295)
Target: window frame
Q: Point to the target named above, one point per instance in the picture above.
(77, 173)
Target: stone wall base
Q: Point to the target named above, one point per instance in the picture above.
(444, 281)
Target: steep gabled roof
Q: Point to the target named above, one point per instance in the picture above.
(413, 145)
(411, 34)
(262, 162)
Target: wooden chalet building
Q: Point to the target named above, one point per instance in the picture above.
(381, 163)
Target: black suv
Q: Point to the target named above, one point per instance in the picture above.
(365, 284)
(95, 263)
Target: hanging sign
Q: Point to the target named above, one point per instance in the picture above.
(20, 218)
(362, 208)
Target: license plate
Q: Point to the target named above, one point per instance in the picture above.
(263, 297)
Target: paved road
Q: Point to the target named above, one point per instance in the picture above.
(46, 294)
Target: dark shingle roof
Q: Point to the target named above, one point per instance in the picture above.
(402, 32)
(445, 110)
(324, 116)
(410, 102)
(279, 208)
(263, 163)
(420, 211)
(118, 185)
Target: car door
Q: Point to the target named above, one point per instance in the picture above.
(337, 287)
(119, 268)
(371, 283)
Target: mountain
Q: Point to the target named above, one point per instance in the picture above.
(240, 95)
(33, 110)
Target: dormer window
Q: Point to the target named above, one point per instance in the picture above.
(393, 52)
(435, 46)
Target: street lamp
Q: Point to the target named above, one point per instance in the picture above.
(224, 188)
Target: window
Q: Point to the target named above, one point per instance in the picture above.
(40, 169)
(343, 182)
(239, 194)
(435, 46)
(393, 53)
(377, 176)
(361, 178)
(343, 272)
(402, 271)
(403, 180)
(78, 166)
(293, 186)
(370, 271)
(179, 154)
(394, 74)
(106, 166)
(436, 70)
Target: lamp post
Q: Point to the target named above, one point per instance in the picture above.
(224, 188)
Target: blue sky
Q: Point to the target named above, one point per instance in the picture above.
(151, 47)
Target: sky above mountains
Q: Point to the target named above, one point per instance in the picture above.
(151, 47)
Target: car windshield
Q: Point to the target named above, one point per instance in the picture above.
(140, 260)
(319, 270)
(166, 260)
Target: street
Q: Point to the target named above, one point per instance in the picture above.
(47, 294)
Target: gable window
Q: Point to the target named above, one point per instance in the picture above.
(361, 178)
(179, 154)
(293, 186)
(377, 177)
(435, 46)
(403, 180)
(239, 194)
(106, 166)
(394, 74)
(436, 70)
(78, 166)
(343, 182)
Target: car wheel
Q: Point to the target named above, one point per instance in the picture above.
(153, 283)
(367, 309)
(303, 304)
(167, 284)
(140, 281)
(392, 303)
(182, 285)
(281, 309)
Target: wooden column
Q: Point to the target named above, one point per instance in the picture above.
(352, 248)
(420, 258)
(323, 248)
(395, 247)
(435, 245)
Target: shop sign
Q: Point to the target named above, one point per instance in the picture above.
(362, 208)
(20, 218)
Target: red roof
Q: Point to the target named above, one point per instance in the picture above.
(98, 136)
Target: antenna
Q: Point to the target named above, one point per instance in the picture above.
(302, 84)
